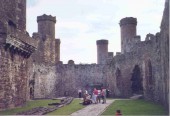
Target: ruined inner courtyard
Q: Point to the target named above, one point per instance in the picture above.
(31, 67)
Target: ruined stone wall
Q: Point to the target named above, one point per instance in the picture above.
(147, 55)
(13, 80)
(142, 53)
(164, 45)
(16, 46)
(14, 11)
(151, 57)
(45, 79)
(66, 79)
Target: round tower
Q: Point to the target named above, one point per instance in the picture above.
(57, 50)
(102, 51)
(46, 25)
(128, 31)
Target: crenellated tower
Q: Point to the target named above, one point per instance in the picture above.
(46, 25)
(128, 32)
(49, 47)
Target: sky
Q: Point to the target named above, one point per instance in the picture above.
(80, 23)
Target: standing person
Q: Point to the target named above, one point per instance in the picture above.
(95, 93)
(80, 93)
(103, 95)
(99, 96)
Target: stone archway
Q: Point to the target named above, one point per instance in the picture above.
(137, 87)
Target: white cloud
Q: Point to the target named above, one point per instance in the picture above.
(81, 22)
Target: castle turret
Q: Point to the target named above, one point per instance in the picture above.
(49, 47)
(102, 51)
(46, 25)
(57, 50)
(128, 31)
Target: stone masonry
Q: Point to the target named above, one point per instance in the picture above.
(141, 67)
(16, 46)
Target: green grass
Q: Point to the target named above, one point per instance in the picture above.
(67, 110)
(29, 105)
(135, 107)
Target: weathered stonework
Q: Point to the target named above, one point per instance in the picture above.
(102, 51)
(128, 31)
(48, 47)
(141, 68)
(15, 48)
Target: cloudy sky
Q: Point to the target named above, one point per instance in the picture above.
(81, 22)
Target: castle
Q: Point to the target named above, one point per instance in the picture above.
(30, 67)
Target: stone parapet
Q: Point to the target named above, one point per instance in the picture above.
(46, 17)
(128, 20)
(102, 41)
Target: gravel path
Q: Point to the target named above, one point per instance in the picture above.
(93, 109)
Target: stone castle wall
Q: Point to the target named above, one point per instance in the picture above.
(16, 46)
(149, 56)
(13, 81)
(164, 49)
(42, 75)
(116, 75)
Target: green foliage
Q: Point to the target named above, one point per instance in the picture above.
(135, 107)
(29, 105)
(67, 110)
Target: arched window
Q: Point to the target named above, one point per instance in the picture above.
(136, 80)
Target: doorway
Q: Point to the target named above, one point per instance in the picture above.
(136, 87)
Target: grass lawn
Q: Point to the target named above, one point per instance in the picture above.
(67, 110)
(135, 107)
(29, 105)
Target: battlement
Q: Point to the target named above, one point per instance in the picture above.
(46, 18)
(102, 41)
(128, 20)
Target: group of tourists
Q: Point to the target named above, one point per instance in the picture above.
(97, 96)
